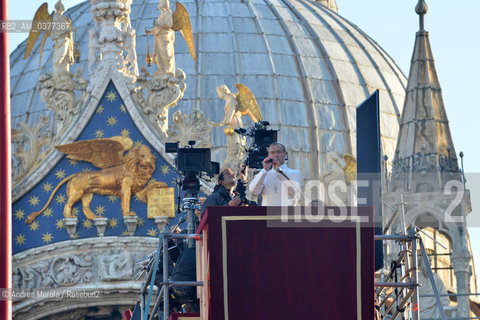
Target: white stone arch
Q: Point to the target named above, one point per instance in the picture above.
(438, 213)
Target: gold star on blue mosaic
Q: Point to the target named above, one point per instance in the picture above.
(152, 232)
(100, 210)
(165, 169)
(72, 162)
(48, 212)
(33, 200)
(60, 174)
(74, 211)
(123, 109)
(125, 233)
(34, 226)
(99, 133)
(112, 198)
(111, 96)
(113, 223)
(60, 224)
(140, 221)
(112, 121)
(100, 109)
(125, 133)
(60, 199)
(47, 237)
(47, 187)
(87, 224)
(20, 239)
(19, 214)
(75, 235)
(137, 143)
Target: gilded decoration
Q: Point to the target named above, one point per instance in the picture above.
(120, 176)
(167, 86)
(236, 106)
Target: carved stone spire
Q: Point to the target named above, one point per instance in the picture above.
(424, 144)
(112, 42)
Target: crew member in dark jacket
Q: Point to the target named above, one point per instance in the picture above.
(224, 194)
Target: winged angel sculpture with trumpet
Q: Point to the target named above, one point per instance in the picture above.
(120, 176)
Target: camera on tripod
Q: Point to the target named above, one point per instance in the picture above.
(192, 162)
(262, 138)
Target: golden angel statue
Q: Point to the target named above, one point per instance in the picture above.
(60, 29)
(164, 32)
(120, 176)
(236, 106)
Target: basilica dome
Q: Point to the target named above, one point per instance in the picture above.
(307, 66)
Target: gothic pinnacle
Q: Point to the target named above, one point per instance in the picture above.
(421, 9)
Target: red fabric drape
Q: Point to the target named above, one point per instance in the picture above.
(300, 271)
(5, 172)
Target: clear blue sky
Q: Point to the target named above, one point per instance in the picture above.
(453, 27)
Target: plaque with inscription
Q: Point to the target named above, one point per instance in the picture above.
(161, 202)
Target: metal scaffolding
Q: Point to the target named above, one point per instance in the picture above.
(405, 286)
(147, 313)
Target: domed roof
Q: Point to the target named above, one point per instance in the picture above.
(307, 66)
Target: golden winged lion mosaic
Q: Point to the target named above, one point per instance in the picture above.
(119, 176)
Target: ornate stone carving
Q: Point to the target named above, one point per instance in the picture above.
(105, 270)
(164, 92)
(115, 39)
(72, 269)
(57, 91)
(31, 146)
(192, 127)
(116, 266)
(421, 171)
(56, 272)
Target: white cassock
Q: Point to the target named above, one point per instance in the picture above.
(274, 187)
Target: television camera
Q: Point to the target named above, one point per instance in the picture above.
(192, 162)
(261, 138)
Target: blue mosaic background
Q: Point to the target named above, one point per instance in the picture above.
(111, 118)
